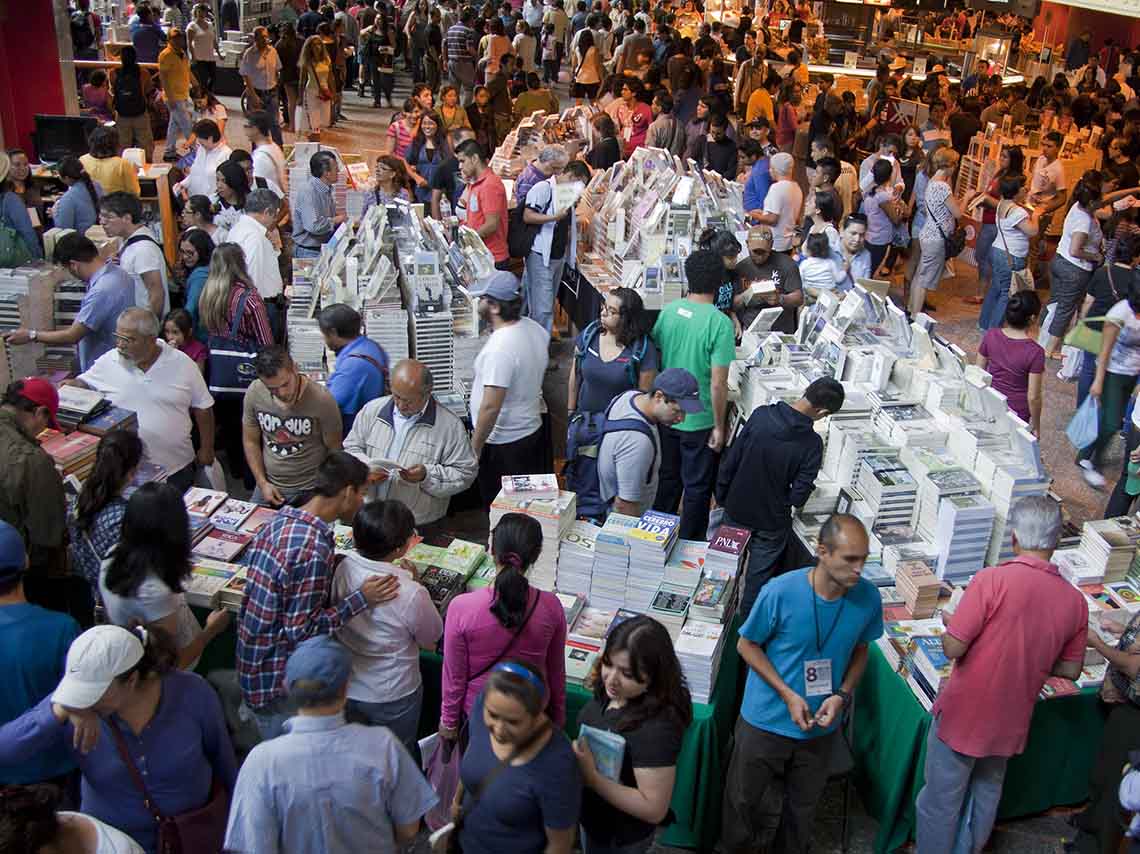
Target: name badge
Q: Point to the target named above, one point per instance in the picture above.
(817, 677)
(473, 203)
(685, 313)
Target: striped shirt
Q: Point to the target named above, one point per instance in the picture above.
(461, 43)
(400, 136)
(313, 212)
(254, 327)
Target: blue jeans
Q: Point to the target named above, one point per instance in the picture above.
(766, 551)
(958, 803)
(270, 105)
(540, 281)
(997, 297)
(402, 716)
(1086, 378)
(688, 468)
(305, 252)
(985, 242)
(181, 121)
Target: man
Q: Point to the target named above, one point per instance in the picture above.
(853, 249)
(110, 289)
(460, 46)
(1079, 52)
(1018, 624)
(758, 183)
(767, 267)
(691, 333)
(761, 102)
(715, 151)
(557, 16)
(665, 131)
(821, 181)
(506, 391)
(33, 652)
(314, 216)
(141, 255)
(750, 75)
(174, 72)
(211, 152)
(935, 131)
(427, 441)
(629, 459)
(536, 97)
(847, 184)
(484, 200)
(769, 469)
(288, 584)
(632, 46)
(260, 69)
(352, 34)
(964, 124)
(164, 387)
(1048, 193)
(307, 24)
(782, 205)
(31, 490)
(802, 673)
(361, 364)
(446, 181)
(256, 233)
(995, 111)
(289, 425)
(286, 786)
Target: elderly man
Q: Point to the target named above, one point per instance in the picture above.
(256, 233)
(361, 363)
(260, 69)
(285, 785)
(1018, 623)
(782, 204)
(418, 452)
(164, 387)
(314, 215)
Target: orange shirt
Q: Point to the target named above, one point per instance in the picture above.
(485, 196)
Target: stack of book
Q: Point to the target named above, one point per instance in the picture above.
(726, 552)
(111, 418)
(893, 555)
(888, 489)
(580, 658)
(520, 486)
(930, 669)
(576, 557)
(918, 586)
(807, 527)
(202, 503)
(463, 556)
(896, 642)
(571, 606)
(207, 579)
(713, 600)
(687, 563)
(699, 647)
(1125, 595)
(591, 626)
(554, 515)
(78, 404)
(932, 488)
(670, 606)
(611, 562)
(73, 454)
(433, 343)
(1111, 544)
(651, 543)
(908, 424)
(965, 526)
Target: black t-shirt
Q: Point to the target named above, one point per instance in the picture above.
(446, 178)
(784, 274)
(796, 31)
(656, 743)
(605, 154)
(1101, 290)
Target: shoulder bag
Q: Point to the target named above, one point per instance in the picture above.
(13, 251)
(1019, 280)
(231, 361)
(192, 832)
(955, 242)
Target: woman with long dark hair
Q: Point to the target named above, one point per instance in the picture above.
(509, 619)
(228, 198)
(640, 694)
(78, 208)
(199, 213)
(141, 580)
(101, 505)
(612, 354)
(427, 151)
(195, 249)
(1011, 162)
(1015, 226)
(32, 821)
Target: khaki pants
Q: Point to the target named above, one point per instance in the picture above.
(135, 131)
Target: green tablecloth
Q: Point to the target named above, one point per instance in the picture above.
(889, 742)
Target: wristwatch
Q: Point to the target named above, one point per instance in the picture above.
(33, 335)
(844, 696)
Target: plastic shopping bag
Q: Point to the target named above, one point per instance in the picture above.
(443, 775)
(1085, 424)
(1072, 360)
(211, 477)
(1046, 322)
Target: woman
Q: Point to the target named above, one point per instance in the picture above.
(525, 46)
(199, 213)
(386, 688)
(911, 161)
(425, 100)
(639, 694)
(206, 106)
(119, 686)
(416, 31)
(1078, 254)
(828, 214)
(433, 58)
(636, 117)
(1011, 161)
(391, 182)
(918, 205)
(32, 823)
(428, 150)
(1038, 93)
(315, 84)
(14, 213)
(403, 128)
(96, 95)
(228, 198)
(451, 114)
(942, 215)
(494, 46)
(130, 83)
(789, 116)
(103, 163)
(178, 332)
(588, 68)
(21, 178)
(607, 151)
(508, 619)
(78, 207)
(1016, 361)
(482, 119)
(288, 48)
(140, 582)
(195, 249)
(520, 789)
(612, 354)
(876, 204)
(336, 44)
(1116, 372)
(101, 505)
(1015, 224)
(1107, 287)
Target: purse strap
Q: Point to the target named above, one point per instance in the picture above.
(518, 631)
(503, 765)
(998, 217)
(239, 314)
(133, 770)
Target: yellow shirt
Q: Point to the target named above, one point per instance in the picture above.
(174, 70)
(800, 74)
(112, 173)
(760, 104)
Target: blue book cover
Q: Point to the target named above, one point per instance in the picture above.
(656, 528)
(608, 749)
(931, 647)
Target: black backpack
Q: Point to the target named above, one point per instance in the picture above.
(82, 35)
(128, 94)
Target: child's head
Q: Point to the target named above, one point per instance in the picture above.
(98, 78)
(177, 327)
(818, 246)
(482, 96)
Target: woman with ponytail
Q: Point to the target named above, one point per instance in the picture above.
(77, 208)
(121, 693)
(510, 619)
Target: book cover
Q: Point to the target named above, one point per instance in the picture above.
(232, 514)
(114, 418)
(620, 617)
(730, 540)
(67, 448)
(258, 519)
(655, 529)
(571, 607)
(608, 749)
(530, 486)
(202, 502)
(580, 658)
(222, 545)
(592, 624)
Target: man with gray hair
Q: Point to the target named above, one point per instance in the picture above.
(164, 387)
(418, 452)
(1018, 624)
(287, 784)
(783, 204)
(256, 233)
(551, 160)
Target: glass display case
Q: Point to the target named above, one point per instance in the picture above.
(994, 47)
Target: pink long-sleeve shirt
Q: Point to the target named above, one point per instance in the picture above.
(472, 638)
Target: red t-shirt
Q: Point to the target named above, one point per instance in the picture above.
(1018, 618)
(486, 196)
(1010, 362)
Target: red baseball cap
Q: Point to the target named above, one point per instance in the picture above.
(42, 393)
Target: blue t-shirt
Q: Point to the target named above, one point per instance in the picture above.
(781, 621)
(756, 187)
(195, 284)
(522, 801)
(358, 377)
(110, 292)
(601, 381)
(33, 650)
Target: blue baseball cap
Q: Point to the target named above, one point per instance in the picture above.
(680, 385)
(319, 659)
(502, 285)
(13, 555)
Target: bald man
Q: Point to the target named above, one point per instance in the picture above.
(418, 451)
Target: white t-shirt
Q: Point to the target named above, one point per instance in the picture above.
(152, 601)
(513, 358)
(201, 42)
(145, 256)
(162, 397)
(1078, 221)
(786, 199)
(269, 163)
(1048, 178)
(108, 840)
(1125, 356)
(1016, 240)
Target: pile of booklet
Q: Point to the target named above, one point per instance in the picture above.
(965, 525)
(554, 515)
(699, 646)
(918, 586)
(651, 542)
(78, 404)
(611, 562)
(727, 549)
(576, 557)
(1111, 544)
(713, 600)
(670, 606)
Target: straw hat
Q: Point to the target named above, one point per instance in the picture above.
(898, 64)
(5, 166)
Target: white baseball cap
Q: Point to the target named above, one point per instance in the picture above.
(95, 658)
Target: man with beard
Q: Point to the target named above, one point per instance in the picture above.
(770, 268)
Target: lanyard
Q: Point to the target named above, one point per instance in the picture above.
(815, 614)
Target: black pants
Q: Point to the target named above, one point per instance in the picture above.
(205, 73)
(1101, 823)
(523, 456)
(1120, 502)
(228, 413)
(767, 551)
(688, 474)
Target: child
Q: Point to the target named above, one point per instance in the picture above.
(97, 96)
(518, 77)
(177, 330)
(482, 119)
(549, 54)
(818, 270)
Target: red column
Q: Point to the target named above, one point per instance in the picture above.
(30, 80)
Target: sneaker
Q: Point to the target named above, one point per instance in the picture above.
(1092, 477)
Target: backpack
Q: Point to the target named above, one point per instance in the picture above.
(82, 35)
(521, 234)
(129, 100)
(583, 442)
(633, 366)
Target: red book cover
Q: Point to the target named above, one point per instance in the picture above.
(66, 448)
(730, 540)
(222, 545)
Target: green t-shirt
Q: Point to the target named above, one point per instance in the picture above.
(695, 336)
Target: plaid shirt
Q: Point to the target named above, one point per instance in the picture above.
(286, 600)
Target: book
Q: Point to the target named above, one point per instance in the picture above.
(608, 749)
(517, 486)
(580, 658)
(203, 502)
(221, 545)
(655, 529)
(232, 514)
(442, 585)
(257, 519)
(591, 626)
(206, 579)
(112, 418)
(571, 606)
(620, 617)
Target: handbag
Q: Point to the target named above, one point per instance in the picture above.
(1019, 280)
(955, 243)
(1084, 337)
(195, 831)
(13, 251)
(230, 361)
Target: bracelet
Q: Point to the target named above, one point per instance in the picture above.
(844, 696)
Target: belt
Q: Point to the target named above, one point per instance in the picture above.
(310, 248)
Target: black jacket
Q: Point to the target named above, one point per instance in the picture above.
(769, 468)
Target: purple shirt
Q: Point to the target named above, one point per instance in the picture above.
(1010, 362)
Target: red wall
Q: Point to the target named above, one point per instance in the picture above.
(29, 68)
(1065, 23)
